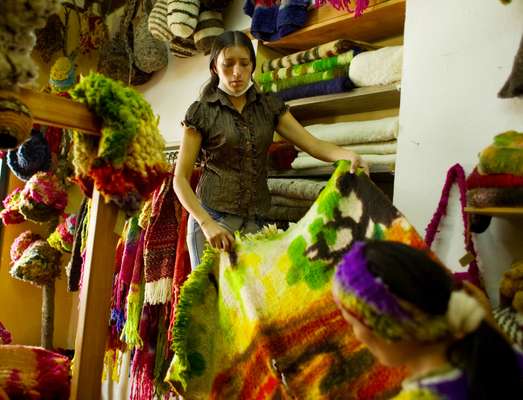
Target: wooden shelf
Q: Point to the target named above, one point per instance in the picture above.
(497, 211)
(48, 109)
(359, 100)
(383, 20)
(377, 174)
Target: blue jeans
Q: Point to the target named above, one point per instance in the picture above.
(196, 239)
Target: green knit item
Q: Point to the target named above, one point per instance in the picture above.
(130, 333)
(261, 321)
(323, 64)
(504, 156)
(282, 84)
(120, 107)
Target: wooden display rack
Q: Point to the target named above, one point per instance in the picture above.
(95, 296)
(507, 212)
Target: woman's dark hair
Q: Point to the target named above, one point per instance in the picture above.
(487, 359)
(225, 40)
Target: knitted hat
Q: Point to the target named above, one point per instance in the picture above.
(183, 48)
(215, 5)
(514, 85)
(21, 243)
(43, 197)
(15, 122)
(11, 212)
(31, 156)
(158, 22)
(62, 237)
(63, 75)
(210, 25)
(39, 264)
(182, 16)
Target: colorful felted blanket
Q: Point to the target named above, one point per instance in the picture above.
(336, 85)
(283, 84)
(504, 156)
(322, 51)
(261, 323)
(323, 64)
(28, 372)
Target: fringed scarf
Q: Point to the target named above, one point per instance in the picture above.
(161, 237)
(74, 267)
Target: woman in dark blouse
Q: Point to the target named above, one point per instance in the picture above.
(232, 125)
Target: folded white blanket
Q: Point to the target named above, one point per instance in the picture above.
(377, 67)
(357, 132)
(376, 162)
(368, 148)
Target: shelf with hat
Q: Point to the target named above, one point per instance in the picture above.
(380, 20)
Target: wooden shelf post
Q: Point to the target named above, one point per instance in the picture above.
(95, 300)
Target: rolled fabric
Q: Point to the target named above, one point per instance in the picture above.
(336, 85)
(283, 84)
(357, 132)
(504, 156)
(495, 197)
(323, 64)
(182, 17)
(376, 162)
(210, 25)
(315, 53)
(290, 202)
(282, 213)
(307, 189)
(368, 148)
(477, 180)
(378, 67)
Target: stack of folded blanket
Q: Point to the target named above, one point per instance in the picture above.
(497, 181)
(320, 70)
(377, 67)
(374, 141)
(292, 198)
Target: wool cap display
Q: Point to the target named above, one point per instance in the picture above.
(63, 74)
(39, 264)
(43, 197)
(21, 243)
(210, 25)
(182, 16)
(157, 22)
(31, 157)
(62, 237)
(11, 212)
(215, 5)
(183, 48)
(15, 122)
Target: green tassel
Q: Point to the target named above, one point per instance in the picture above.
(130, 334)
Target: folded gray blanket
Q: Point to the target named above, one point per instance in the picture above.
(296, 188)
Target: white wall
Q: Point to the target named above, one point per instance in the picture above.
(172, 90)
(457, 56)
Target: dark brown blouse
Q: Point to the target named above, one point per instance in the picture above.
(234, 150)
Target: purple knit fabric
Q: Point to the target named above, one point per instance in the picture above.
(354, 278)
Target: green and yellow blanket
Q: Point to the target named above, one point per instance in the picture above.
(261, 323)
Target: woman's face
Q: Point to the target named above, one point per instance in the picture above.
(234, 68)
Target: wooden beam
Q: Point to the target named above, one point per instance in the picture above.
(506, 212)
(48, 109)
(95, 300)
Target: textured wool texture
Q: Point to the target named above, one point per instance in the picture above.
(30, 157)
(28, 372)
(368, 148)
(21, 243)
(210, 25)
(477, 180)
(15, 122)
(325, 50)
(323, 64)
(504, 156)
(357, 132)
(39, 264)
(306, 79)
(261, 322)
(514, 85)
(182, 17)
(73, 269)
(495, 197)
(11, 212)
(157, 22)
(62, 237)
(183, 48)
(296, 188)
(378, 67)
(376, 162)
(336, 85)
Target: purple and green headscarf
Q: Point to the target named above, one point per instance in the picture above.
(365, 297)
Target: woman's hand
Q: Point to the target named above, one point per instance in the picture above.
(356, 162)
(216, 235)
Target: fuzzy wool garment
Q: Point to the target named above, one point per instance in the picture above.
(332, 86)
(378, 67)
(477, 180)
(182, 17)
(504, 156)
(514, 85)
(282, 84)
(183, 48)
(261, 322)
